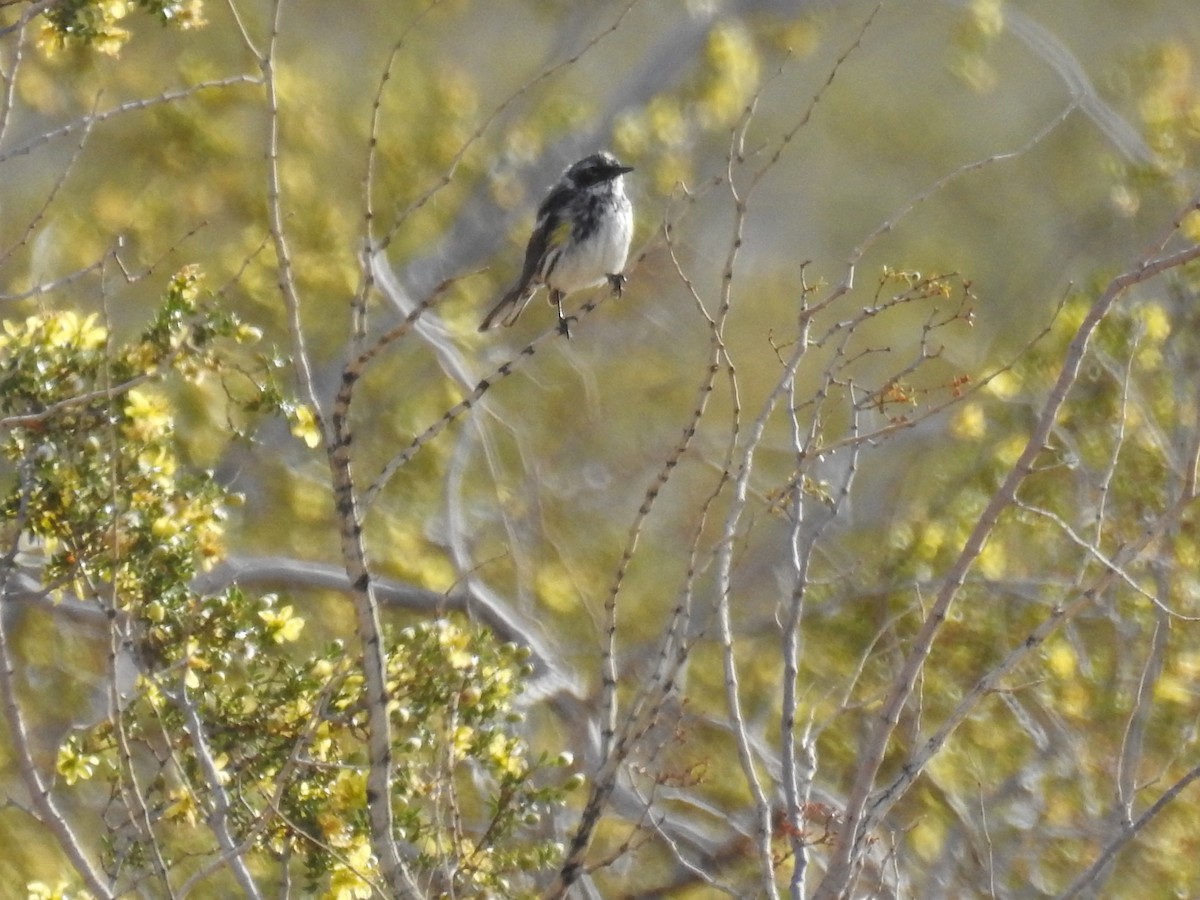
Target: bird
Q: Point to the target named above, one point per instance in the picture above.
(581, 239)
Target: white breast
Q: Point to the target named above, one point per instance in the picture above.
(603, 254)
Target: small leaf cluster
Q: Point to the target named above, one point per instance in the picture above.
(94, 22)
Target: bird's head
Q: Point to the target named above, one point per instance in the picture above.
(594, 169)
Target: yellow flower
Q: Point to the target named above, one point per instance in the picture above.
(1004, 385)
(1191, 226)
(349, 791)
(191, 15)
(221, 763)
(74, 766)
(988, 16)
(149, 416)
(1156, 321)
(111, 40)
(39, 890)
(304, 426)
(183, 807)
(64, 329)
(348, 880)
(455, 645)
(50, 40)
(506, 754)
(282, 625)
(461, 740)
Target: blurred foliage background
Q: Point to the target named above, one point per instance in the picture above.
(133, 146)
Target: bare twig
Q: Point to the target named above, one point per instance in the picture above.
(1128, 833)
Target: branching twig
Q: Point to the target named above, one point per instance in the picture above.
(467, 403)
(167, 97)
(1109, 853)
(853, 836)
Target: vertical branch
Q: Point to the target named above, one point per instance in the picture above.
(724, 565)
(724, 554)
(337, 438)
(133, 795)
(725, 550)
(10, 77)
(608, 702)
(801, 558)
(614, 749)
(796, 787)
(283, 254)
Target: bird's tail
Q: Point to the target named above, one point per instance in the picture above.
(510, 306)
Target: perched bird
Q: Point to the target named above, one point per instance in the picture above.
(581, 239)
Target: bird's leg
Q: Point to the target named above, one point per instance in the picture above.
(564, 322)
(617, 283)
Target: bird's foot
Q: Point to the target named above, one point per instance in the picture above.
(617, 283)
(564, 324)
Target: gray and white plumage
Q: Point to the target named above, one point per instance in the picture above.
(581, 238)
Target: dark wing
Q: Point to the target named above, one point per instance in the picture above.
(551, 217)
(550, 221)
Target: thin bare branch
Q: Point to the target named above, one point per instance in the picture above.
(90, 121)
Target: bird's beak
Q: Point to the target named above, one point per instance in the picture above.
(621, 170)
